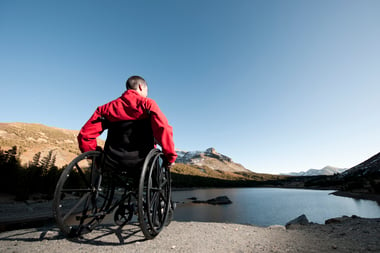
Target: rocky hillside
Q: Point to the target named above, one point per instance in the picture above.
(33, 138)
(211, 159)
(209, 168)
(370, 166)
(364, 177)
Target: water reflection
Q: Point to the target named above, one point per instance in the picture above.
(268, 206)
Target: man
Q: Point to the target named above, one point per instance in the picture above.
(132, 110)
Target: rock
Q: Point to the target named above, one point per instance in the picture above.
(221, 200)
(333, 220)
(340, 219)
(300, 220)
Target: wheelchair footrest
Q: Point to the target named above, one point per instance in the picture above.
(100, 214)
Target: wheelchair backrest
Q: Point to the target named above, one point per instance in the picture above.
(128, 142)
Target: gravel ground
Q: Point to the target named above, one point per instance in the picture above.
(342, 235)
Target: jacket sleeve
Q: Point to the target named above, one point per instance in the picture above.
(89, 132)
(162, 132)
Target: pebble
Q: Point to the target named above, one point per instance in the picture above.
(279, 227)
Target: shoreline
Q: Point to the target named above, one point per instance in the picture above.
(31, 232)
(37, 212)
(345, 234)
(358, 195)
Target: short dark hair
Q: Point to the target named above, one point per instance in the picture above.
(133, 82)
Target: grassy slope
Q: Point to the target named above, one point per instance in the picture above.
(185, 175)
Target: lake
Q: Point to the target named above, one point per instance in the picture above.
(269, 206)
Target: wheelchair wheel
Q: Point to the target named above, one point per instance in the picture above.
(154, 194)
(82, 195)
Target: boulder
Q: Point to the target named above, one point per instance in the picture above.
(340, 219)
(221, 200)
(300, 220)
(333, 220)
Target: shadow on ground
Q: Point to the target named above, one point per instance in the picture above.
(107, 235)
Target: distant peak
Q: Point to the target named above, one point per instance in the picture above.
(211, 150)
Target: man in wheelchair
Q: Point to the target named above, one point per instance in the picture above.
(135, 125)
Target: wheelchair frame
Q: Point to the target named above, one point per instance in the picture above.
(87, 192)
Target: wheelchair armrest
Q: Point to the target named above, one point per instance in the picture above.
(104, 121)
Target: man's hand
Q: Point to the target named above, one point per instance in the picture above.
(169, 165)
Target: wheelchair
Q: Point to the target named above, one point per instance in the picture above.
(88, 191)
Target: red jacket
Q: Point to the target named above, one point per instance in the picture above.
(130, 106)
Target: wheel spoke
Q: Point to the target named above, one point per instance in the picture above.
(76, 190)
(155, 210)
(83, 176)
(163, 183)
(80, 201)
(164, 197)
(155, 175)
(155, 198)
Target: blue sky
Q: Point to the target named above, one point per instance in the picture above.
(278, 86)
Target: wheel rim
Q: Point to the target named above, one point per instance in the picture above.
(158, 196)
(82, 194)
(154, 194)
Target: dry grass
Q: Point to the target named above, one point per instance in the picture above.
(33, 138)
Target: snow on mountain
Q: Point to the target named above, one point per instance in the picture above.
(210, 158)
(326, 171)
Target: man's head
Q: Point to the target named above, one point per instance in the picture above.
(138, 84)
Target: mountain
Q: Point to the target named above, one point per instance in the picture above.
(211, 169)
(32, 138)
(211, 159)
(357, 182)
(326, 171)
(362, 178)
(369, 167)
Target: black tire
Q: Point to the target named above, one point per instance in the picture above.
(154, 194)
(82, 195)
(124, 212)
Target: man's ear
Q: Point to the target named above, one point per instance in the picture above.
(140, 86)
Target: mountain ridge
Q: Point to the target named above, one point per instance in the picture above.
(369, 166)
(211, 159)
(325, 171)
